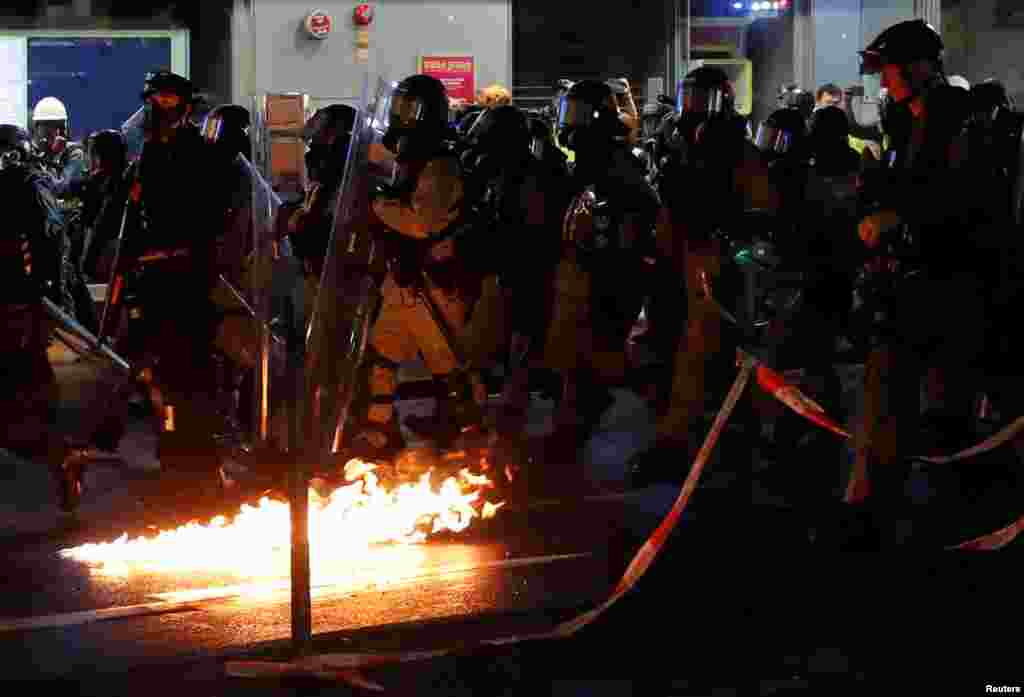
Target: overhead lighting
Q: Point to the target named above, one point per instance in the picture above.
(756, 6)
(775, 5)
(737, 6)
(783, 3)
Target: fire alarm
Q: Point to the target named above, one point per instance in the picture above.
(363, 15)
(318, 24)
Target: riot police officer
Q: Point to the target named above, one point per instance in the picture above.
(519, 197)
(925, 212)
(30, 255)
(327, 135)
(180, 188)
(712, 162)
(428, 290)
(102, 199)
(608, 224)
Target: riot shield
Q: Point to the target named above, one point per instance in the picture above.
(134, 134)
(348, 292)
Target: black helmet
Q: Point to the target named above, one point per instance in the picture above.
(166, 81)
(501, 129)
(499, 134)
(705, 91)
(15, 145)
(327, 134)
(588, 106)
(829, 125)
(329, 122)
(419, 101)
(107, 146)
(792, 97)
(782, 133)
(902, 44)
(417, 116)
(227, 127)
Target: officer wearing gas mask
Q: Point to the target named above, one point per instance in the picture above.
(608, 223)
(519, 197)
(926, 213)
(30, 252)
(428, 290)
(165, 271)
(327, 135)
(713, 163)
(101, 204)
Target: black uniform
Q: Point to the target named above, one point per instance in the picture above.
(30, 260)
(169, 257)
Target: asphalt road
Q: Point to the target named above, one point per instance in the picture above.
(739, 594)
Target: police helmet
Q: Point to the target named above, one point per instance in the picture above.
(227, 127)
(588, 105)
(166, 82)
(783, 132)
(706, 91)
(902, 44)
(107, 146)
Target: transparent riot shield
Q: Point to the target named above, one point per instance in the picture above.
(349, 286)
(246, 289)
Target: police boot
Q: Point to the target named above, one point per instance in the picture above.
(68, 477)
(457, 412)
(376, 442)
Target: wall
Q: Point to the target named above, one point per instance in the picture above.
(556, 40)
(837, 38)
(981, 49)
(770, 49)
(284, 59)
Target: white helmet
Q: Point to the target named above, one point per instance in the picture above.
(49, 109)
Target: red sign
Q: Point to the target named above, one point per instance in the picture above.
(318, 24)
(456, 73)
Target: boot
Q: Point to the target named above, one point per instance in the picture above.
(68, 480)
(457, 412)
(376, 442)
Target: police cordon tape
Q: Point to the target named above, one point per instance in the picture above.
(858, 487)
(345, 667)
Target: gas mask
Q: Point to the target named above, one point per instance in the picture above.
(163, 111)
(10, 159)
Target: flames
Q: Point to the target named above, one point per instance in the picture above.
(345, 522)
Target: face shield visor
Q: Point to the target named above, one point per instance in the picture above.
(576, 113)
(404, 112)
(706, 101)
(773, 140)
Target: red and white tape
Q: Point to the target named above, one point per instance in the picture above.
(345, 667)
